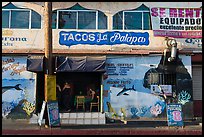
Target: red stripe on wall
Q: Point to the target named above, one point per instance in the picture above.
(196, 58)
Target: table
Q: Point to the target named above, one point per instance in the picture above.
(86, 99)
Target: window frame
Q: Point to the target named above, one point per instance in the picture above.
(132, 11)
(30, 18)
(77, 18)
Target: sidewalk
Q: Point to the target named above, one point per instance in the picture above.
(22, 127)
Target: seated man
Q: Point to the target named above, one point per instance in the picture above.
(91, 97)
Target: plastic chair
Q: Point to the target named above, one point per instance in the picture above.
(80, 102)
(94, 104)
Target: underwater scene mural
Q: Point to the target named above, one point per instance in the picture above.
(127, 93)
(18, 89)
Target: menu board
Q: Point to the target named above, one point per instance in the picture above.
(174, 114)
(119, 68)
(53, 113)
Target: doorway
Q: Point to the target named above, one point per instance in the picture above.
(80, 81)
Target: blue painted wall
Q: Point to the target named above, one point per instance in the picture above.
(18, 88)
(124, 93)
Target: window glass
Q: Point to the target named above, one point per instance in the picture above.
(67, 20)
(87, 20)
(5, 19)
(147, 25)
(133, 20)
(118, 21)
(20, 19)
(35, 20)
(136, 19)
(54, 19)
(78, 17)
(102, 20)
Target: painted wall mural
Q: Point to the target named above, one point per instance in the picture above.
(125, 94)
(18, 89)
(134, 103)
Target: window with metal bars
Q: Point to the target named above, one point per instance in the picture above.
(162, 79)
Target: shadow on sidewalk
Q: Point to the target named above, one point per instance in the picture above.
(130, 124)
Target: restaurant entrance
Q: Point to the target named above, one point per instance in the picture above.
(79, 82)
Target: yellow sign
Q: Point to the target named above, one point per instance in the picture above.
(50, 87)
(7, 32)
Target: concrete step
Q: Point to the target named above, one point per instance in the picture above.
(82, 118)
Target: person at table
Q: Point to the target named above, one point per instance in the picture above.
(91, 97)
(66, 96)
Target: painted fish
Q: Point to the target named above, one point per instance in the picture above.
(4, 89)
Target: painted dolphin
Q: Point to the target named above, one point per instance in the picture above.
(136, 103)
(125, 90)
(4, 89)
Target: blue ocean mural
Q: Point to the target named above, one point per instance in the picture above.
(124, 92)
(18, 89)
(135, 104)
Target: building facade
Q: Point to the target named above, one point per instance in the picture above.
(137, 56)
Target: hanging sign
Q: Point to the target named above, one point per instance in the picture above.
(174, 115)
(177, 22)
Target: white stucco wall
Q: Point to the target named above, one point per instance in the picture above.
(35, 38)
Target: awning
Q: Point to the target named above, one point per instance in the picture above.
(80, 63)
(35, 63)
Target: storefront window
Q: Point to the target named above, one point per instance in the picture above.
(18, 18)
(138, 19)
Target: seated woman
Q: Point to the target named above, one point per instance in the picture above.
(91, 97)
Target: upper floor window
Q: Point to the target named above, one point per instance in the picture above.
(78, 17)
(18, 18)
(137, 19)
